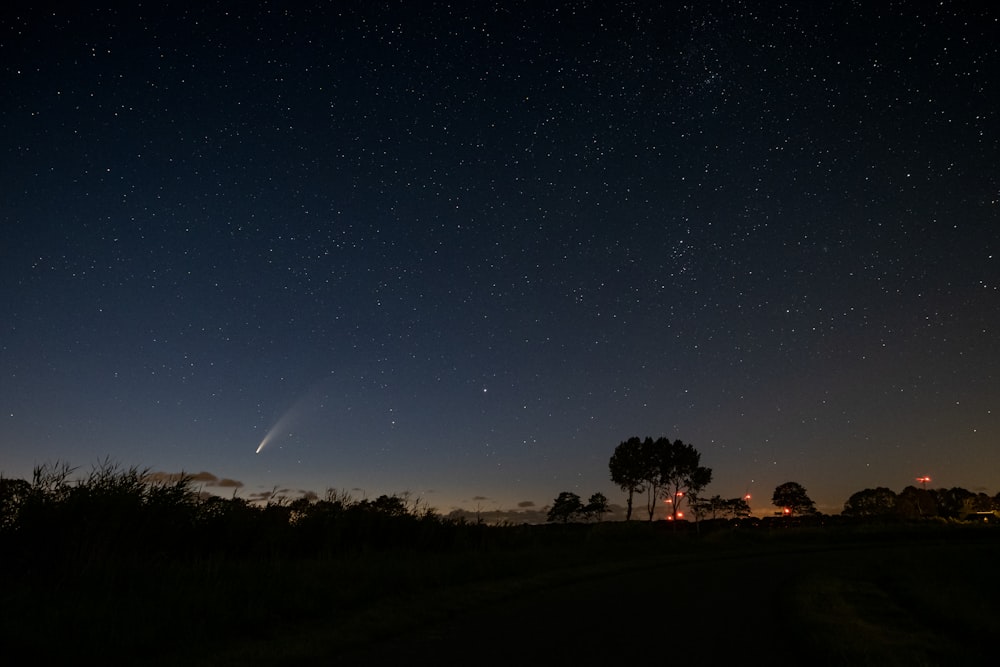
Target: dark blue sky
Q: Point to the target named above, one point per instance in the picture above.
(465, 249)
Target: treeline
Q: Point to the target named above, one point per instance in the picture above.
(918, 503)
(125, 514)
(912, 503)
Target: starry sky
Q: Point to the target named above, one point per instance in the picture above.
(465, 249)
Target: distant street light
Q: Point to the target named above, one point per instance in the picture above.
(923, 480)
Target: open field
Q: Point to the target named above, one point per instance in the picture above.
(923, 595)
(871, 602)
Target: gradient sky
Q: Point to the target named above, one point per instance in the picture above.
(465, 249)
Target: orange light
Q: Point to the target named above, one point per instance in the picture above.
(787, 510)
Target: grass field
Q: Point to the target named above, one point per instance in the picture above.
(907, 604)
(830, 599)
(924, 595)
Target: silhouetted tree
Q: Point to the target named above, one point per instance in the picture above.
(565, 507)
(652, 452)
(677, 470)
(914, 503)
(738, 507)
(718, 507)
(704, 508)
(875, 502)
(628, 470)
(792, 496)
(597, 506)
(951, 501)
(659, 467)
(390, 506)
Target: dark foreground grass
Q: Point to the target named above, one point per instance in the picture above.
(224, 609)
(408, 610)
(924, 596)
(902, 604)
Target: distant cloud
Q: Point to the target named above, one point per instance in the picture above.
(202, 479)
(164, 477)
(524, 504)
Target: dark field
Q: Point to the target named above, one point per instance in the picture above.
(878, 603)
(913, 594)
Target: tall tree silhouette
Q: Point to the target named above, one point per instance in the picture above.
(661, 468)
(677, 466)
(628, 470)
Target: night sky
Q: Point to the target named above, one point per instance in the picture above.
(465, 249)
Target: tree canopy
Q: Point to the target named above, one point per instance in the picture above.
(914, 503)
(565, 507)
(680, 473)
(596, 507)
(718, 507)
(664, 469)
(628, 470)
(792, 497)
(568, 507)
(879, 501)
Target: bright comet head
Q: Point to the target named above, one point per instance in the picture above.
(267, 439)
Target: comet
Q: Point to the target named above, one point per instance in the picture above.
(263, 443)
(312, 401)
(279, 426)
